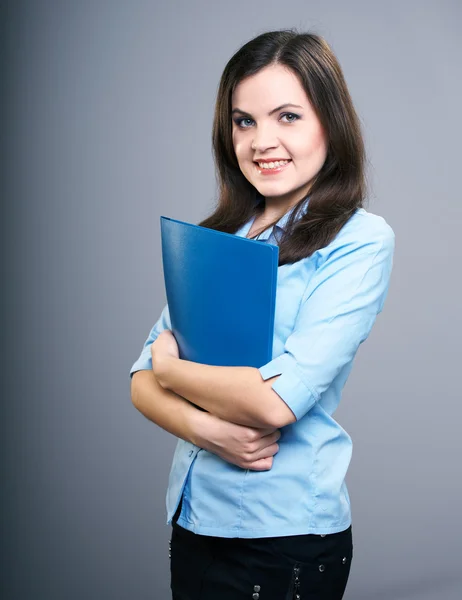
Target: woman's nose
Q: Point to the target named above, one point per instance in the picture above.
(263, 139)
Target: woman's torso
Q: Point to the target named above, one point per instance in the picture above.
(305, 490)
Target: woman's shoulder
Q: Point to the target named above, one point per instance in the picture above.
(365, 228)
(372, 224)
(364, 232)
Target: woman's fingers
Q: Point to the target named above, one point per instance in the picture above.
(263, 464)
(267, 440)
(265, 452)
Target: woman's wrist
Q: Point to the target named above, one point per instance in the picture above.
(201, 424)
(161, 368)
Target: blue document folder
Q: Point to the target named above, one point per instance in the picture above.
(221, 294)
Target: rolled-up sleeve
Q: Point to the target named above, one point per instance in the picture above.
(145, 360)
(337, 312)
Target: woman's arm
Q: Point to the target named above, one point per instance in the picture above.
(338, 309)
(166, 408)
(236, 394)
(246, 447)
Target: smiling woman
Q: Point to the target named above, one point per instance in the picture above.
(257, 497)
(265, 136)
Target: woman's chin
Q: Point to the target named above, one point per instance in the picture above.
(273, 190)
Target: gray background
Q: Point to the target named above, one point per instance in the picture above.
(106, 125)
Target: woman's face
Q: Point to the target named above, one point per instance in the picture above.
(292, 133)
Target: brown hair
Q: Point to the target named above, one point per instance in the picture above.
(339, 187)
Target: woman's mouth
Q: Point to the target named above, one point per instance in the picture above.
(271, 168)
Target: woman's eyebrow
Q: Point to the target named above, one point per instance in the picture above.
(238, 110)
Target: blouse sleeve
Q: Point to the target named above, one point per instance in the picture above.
(338, 308)
(145, 360)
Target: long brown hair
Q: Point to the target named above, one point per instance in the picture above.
(339, 187)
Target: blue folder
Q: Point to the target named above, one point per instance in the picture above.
(221, 294)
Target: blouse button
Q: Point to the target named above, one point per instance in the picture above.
(256, 588)
(344, 559)
(255, 596)
(321, 568)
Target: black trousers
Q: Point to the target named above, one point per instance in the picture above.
(300, 567)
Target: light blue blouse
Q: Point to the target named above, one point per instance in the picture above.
(326, 305)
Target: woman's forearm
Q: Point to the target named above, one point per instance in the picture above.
(235, 394)
(167, 409)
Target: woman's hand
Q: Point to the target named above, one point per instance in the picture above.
(164, 345)
(247, 447)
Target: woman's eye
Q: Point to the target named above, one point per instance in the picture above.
(241, 121)
(290, 115)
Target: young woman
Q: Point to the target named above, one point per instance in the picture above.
(257, 496)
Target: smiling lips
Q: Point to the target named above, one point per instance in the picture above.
(270, 167)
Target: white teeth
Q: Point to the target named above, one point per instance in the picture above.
(273, 165)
